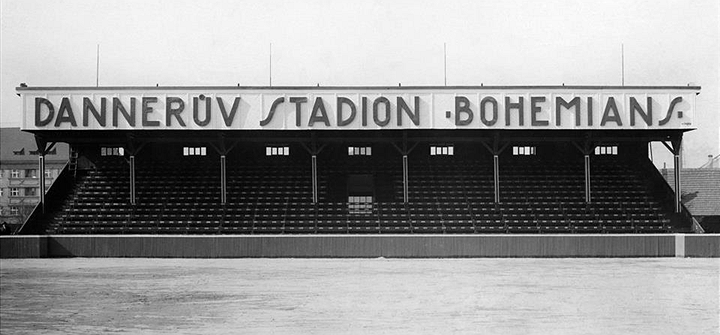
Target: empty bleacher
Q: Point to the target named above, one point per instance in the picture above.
(446, 196)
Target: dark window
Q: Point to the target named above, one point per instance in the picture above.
(112, 151)
(31, 173)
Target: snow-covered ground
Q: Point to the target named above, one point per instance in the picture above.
(335, 296)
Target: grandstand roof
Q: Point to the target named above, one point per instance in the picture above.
(18, 145)
(488, 87)
(701, 190)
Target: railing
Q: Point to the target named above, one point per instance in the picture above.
(697, 228)
(62, 185)
(256, 204)
(659, 185)
(387, 214)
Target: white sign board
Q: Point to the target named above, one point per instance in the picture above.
(350, 108)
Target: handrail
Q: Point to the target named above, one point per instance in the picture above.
(697, 227)
(37, 211)
(668, 195)
(31, 216)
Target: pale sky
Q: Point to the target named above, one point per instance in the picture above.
(550, 42)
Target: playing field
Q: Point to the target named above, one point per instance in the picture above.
(331, 296)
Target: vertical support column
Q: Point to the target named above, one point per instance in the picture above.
(406, 198)
(676, 149)
(678, 190)
(41, 179)
(587, 179)
(223, 180)
(314, 178)
(42, 150)
(677, 166)
(496, 149)
(496, 177)
(132, 180)
(405, 152)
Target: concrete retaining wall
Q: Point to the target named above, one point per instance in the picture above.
(32, 246)
(230, 246)
(705, 245)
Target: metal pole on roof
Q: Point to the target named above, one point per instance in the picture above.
(270, 61)
(622, 63)
(97, 66)
(445, 61)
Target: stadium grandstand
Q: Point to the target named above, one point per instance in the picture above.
(359, 160)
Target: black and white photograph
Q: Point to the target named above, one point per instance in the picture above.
(359, 167)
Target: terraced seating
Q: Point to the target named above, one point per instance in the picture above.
(452, 196)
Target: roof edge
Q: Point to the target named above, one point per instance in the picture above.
(502, 87)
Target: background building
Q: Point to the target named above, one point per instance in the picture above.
(19, 174)
(701, 192)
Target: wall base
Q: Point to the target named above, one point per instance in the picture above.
(364, 246)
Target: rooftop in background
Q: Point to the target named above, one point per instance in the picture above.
(19, 146)
(713, 162)
(700, 189)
